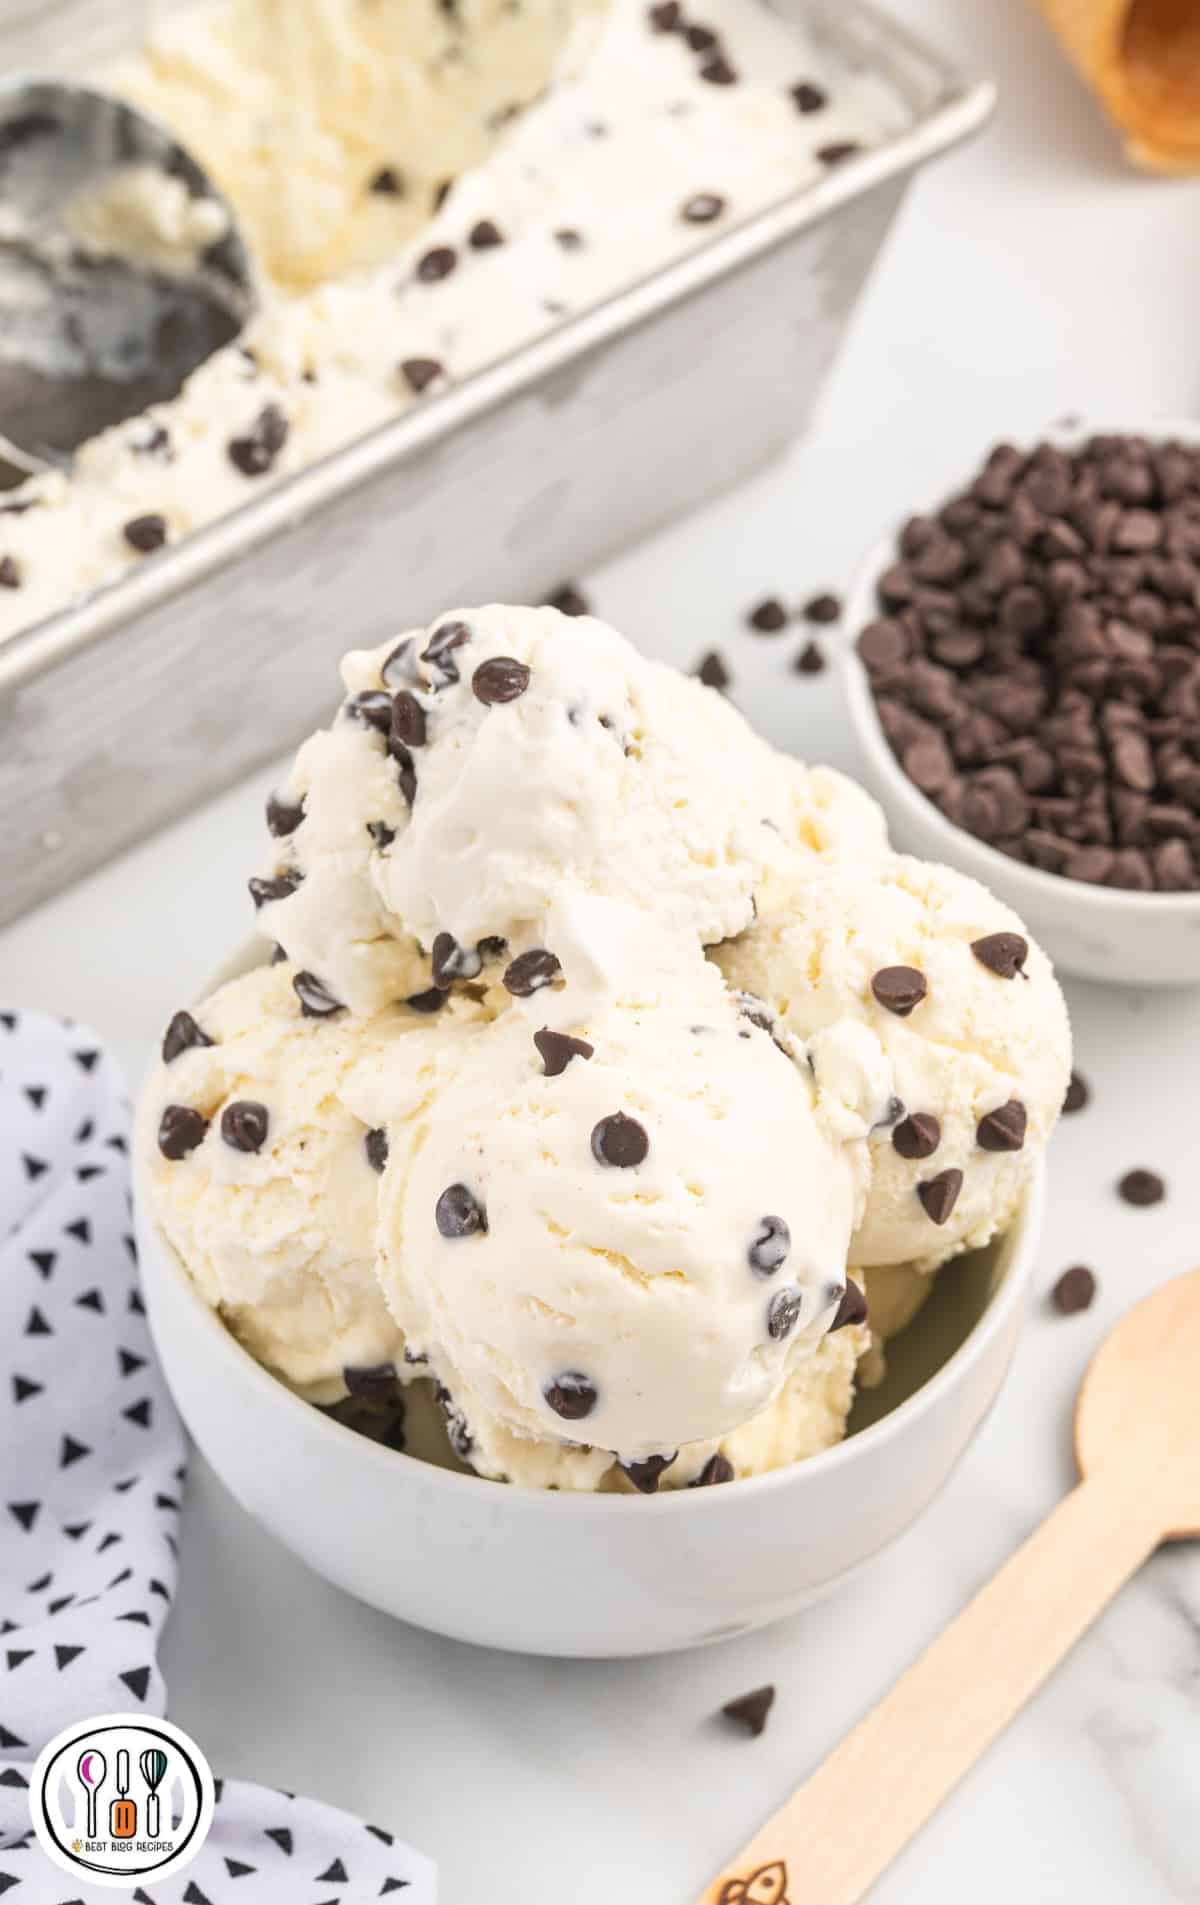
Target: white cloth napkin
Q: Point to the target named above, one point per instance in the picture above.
(92, 1473)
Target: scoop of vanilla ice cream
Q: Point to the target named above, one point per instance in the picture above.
(807, 1415)
(554, 753)
(980, 1057)
(332, 126)
(481, 768)
(620, 1227)
(267, 1185)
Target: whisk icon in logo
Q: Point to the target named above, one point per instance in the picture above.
(92, 1812)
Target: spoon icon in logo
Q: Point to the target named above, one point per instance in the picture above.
(92, 1768)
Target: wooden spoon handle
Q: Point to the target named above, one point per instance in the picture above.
(846, 1824)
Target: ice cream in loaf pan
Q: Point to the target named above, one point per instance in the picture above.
(428, 189)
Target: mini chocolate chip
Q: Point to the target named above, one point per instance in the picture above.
(569, 600)
(406, 770)
(568, 239)
(437, 652)
(918, 1135)
(409, 725)
(400, 664)
(415, 1358)
(939, 1194)
(371, 709)
(810, 660)
(769, 616)
(484, 235)
(278, 955)
(181, 1036)
(851, 1309)
(1074, 1290)
(666, 17)
(750, 1710)
(558, 1049)
(499, 680)
(1002, 953)
(262, 892)
(758, 1014)
(377, 1381)
(712, 671)
(146, 533)
(783, 1313)
(718, 72)
(458, 1432)
(381, 833)
(316, 1000)
(899, 989)
(452, 961)
(180, 1130)
(530, 971)
(419, 372)
(387, 183)
(646, 1474)
(436, 264)
(1004, 1128)
(770, 1247)
(459, 1213)
(10, 574)
(284, 816)
(1079, 1093)
(255, 451)
(716, 1470)
(823, 609)
(702, 208)
(839, 150)
(1142, 1188)
(426, 1002)
(493, 947)
(244, 1125)
(809, 98)
(571, 1395)
(376, 1146)
(620, 1141)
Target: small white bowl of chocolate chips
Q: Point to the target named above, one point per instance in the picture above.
(1022, 670)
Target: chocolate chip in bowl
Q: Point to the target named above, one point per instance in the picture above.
(1022, 668)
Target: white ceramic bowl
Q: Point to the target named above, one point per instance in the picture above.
(1100, 932)
(594, 1575)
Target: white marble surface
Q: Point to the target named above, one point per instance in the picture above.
(1030, 276)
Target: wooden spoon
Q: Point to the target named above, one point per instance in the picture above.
(1137, 1442)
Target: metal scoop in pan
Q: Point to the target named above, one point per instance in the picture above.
(121, 268)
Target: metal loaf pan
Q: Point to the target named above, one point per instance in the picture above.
(120, 714)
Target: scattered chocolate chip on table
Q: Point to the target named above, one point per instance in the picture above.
(750, 1710)
(1142, 1188)
(1079, 1093)
(1074, 1290)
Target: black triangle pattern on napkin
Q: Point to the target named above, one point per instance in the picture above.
(92, 1470)
(65, 1440)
